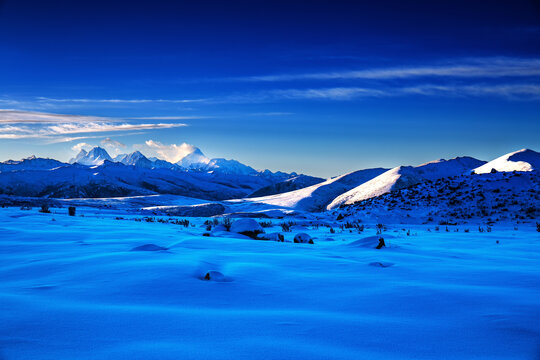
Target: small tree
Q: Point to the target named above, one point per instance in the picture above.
(71, 211)
(227, 222)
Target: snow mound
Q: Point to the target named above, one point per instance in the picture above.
(521, 160)
(213, 275)
(148, 247)
(247, 227)
(404, 176)
(369, 241)
(303, 238)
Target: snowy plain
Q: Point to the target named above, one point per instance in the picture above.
(72, 288)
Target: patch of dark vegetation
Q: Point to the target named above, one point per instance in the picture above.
(286, 226)
(266, 224)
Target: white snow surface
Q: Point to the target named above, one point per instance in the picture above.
(71, 288)
(521, 160)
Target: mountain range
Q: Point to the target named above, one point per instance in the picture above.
(194, 161)
(94, 174)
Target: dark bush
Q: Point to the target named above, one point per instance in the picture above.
(71, 211)
(266, 224)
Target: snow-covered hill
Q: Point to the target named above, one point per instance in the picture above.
(522, 160)
(404, 176)
(317, 197)
(503, 196)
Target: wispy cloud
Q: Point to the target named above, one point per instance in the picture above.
(275, 113)
(82, 145)
(168, 117)
(119, 101)
(337, 93)
(467, 68)
(114, 147)
(110, 142)
(506, 91)
(8, 116)
(21, 124)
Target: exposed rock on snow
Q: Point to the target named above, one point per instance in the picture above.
(522, 160)
(369, 241)
(381, 264)
(303, 238)
(248, 227)
(213, 275)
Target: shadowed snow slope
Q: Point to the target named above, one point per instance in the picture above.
(404, 176)
(116, 179)
(316, 197)
(522, 160)
(295, 183)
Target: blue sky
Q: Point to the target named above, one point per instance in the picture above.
(316, 87)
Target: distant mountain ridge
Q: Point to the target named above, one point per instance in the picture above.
(95, 174)
(194, 161)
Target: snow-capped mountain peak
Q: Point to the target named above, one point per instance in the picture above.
(137, 159)
(96, 156)
(194, 160)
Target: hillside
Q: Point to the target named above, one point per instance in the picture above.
(405, 176)
(522, 160)
(506, 197)
(318, 196)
